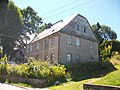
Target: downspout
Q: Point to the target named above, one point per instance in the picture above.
(58, 47)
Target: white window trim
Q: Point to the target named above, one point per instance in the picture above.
(69, 58)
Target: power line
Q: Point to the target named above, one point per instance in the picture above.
(70, 9)
(60, 7)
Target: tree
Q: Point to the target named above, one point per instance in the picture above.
(11, 26)
(31, 20)
(42, 28)
(4, 1)
(108, 47)
(103, 32)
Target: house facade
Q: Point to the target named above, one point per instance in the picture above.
(68, 41)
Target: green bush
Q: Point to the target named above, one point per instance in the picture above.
(35, 69)
(17, 70)
(3, 65)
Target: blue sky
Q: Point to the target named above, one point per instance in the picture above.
(106, 12)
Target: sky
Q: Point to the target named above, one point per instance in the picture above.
(106, 12)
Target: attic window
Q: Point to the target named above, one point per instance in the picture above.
(84, 30)
(78, 27)
(53, 30)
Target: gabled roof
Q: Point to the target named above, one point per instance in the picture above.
(55, 28)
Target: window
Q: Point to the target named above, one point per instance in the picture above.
(69, 58)
(92, 58)
(69, 39)
(30, 48)
(84, 29)
(37, 57)
(38, 46)
(77, 57)
(77, 42)
(52, 58)
(27, 49)
(78, 27)
(46, 43)
(53, 41)
(91, 45)
(46, 58)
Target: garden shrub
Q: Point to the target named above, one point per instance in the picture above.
(35, 69)
(3, 65)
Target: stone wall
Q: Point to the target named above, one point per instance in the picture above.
(34, 82)
(99, 87)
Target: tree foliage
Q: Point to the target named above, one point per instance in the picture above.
(11, 26)
(31, 20)
(108, 47)
(103, 32)
(42, 28)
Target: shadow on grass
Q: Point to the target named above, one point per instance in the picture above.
(90, 70)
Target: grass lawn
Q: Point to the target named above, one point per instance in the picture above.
(88, 77)
(71, 85)
(112, 78)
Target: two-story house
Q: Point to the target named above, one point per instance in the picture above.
(68, 41)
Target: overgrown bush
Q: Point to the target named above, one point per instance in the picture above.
(3, 65)
(35, 69)
(115, 59)
(107, 48)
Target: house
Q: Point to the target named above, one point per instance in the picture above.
(68, 41)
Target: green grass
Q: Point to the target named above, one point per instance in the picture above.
(72, 85)
(86, 73)
(112, 78)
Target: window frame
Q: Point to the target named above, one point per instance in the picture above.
(46, 57)
(46, 42)
(91, 45)
(53, 41)
(77, 59)
(84, 29)
(77, 41)
(38, 46)
(31, 47)
(78, 27)
(69, 58)
(52, 57)
(69, 40)
(28, 47)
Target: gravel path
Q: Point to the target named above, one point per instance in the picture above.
(11, 87)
